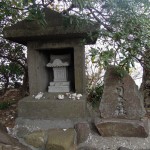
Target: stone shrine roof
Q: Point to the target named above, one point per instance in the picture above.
(25, 31)
(59, 61)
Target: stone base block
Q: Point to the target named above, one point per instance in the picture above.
(49, 107)
(53, 89)
(59, 83)
(122, 127)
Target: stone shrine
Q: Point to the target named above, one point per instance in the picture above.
(122, 108)
(56, 64)
(60, 64)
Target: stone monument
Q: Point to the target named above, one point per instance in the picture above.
(122, 109)
(56, 64)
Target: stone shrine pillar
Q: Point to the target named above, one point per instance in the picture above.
(60, 64)
(121, 107)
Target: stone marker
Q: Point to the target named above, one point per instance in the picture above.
(121, 107)
(83, 131)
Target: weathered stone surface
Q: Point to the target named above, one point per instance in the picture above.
(22, 131)
(121, 98)
(122, 127)
(87, 148)
(9, 143)
(10, 147)
(50, 107)
(123, 148)
(59, 139)
(36, 139)
(83, 131)
(26, 30)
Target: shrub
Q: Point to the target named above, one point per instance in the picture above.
(95, 95)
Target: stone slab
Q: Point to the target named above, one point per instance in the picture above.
(122, 127)
(50, 107)
(54, 89)
(59, 83)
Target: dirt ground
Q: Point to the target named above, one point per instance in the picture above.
(8, 107)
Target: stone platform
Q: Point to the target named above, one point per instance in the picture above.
(49, 107)
(49, 113)
(122, 127)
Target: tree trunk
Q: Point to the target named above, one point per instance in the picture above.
(25, 85)
(145, 87)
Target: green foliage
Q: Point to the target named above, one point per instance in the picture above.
(120, 72)
(124, 31)
(4, 105)
(36, 14)
(95, 95)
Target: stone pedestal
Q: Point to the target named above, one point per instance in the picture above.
(121, 107)
(49, 112)
(50, 107)
(59, 87)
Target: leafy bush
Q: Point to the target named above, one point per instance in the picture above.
(95, 95)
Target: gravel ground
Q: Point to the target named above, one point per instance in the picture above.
(113, 143)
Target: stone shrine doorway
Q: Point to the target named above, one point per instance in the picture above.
(49, 77)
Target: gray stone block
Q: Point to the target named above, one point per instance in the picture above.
(50, 107)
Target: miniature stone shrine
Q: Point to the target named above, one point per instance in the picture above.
(56, 64)
(121, 107)
(60, 64)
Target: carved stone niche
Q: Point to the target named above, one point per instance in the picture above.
(60, 64)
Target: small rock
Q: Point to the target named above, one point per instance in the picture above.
(39, 95)
(60, 97)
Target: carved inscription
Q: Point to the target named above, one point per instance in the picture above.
(120, 109)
